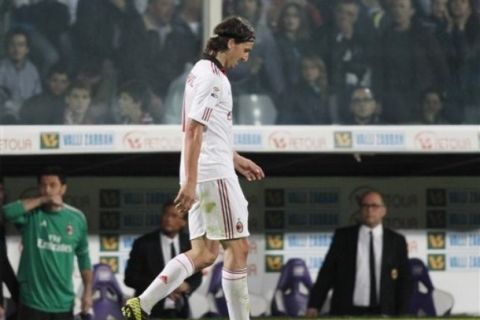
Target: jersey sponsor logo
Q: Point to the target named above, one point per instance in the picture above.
(49, 140)
(52, 246)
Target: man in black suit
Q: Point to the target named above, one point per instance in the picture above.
(148, 257)
(7, 275)
(361, 257)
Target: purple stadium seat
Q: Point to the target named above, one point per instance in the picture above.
(291, 294)
(426, 300)
(107, 295)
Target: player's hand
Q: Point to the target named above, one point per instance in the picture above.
(248, 168)
(312, 313)
(185, 198)
(86, 301)
(2, 312)
(55, 200)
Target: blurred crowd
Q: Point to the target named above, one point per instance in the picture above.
(314, 61)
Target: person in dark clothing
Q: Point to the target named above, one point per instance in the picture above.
(461, 42)
(363, 108)
(366, 266)
(48, 106)
(7, 275)
(308, 101)
(409, 61)
(148, 257)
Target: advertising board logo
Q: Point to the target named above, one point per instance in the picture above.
(109, 242)
(279, 139)
(436, 262)
(436, 240)
(436, 219)
(274, 241)
(109, 220)
(436, 197)
(111, 261)
(134, 140)
(343, 139)
(140, 140)
(109, 198)
(15, 144)
(274, 197)
(274, 219)
(431, 141)
(273, 263)
(49, 140)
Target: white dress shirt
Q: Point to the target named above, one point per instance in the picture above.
(361, 291)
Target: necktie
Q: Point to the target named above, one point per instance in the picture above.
(173, 253)
(373, 282)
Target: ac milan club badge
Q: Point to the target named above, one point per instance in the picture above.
(239, 226)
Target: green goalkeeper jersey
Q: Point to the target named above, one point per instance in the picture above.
(50, 241)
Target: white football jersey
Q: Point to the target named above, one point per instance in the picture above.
(208, 100)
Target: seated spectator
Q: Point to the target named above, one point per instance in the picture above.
(432, 108)
(78, 102)
(364, 109)
(100, 77)
(293, 40)
(17, 73)
(133, 102)
(308, 101)
(48, 106)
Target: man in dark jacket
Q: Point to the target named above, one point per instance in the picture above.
(149, 255)
(360, 258)
(7, 274)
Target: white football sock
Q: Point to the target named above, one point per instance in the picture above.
(172, 276)
(235, 288)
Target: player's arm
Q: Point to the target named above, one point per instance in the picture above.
(193, 144)
(247, 168)
(86, 301)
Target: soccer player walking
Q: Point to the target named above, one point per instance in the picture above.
(210, 191)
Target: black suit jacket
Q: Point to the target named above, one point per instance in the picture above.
(7, 275)
(146, 262)
(338, 273)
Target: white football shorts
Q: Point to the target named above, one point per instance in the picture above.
(221, 211)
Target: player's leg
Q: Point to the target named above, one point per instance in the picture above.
(234, 278)
(202, 254)
(234, 273)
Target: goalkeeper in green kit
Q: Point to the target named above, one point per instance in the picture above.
(53, 233)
